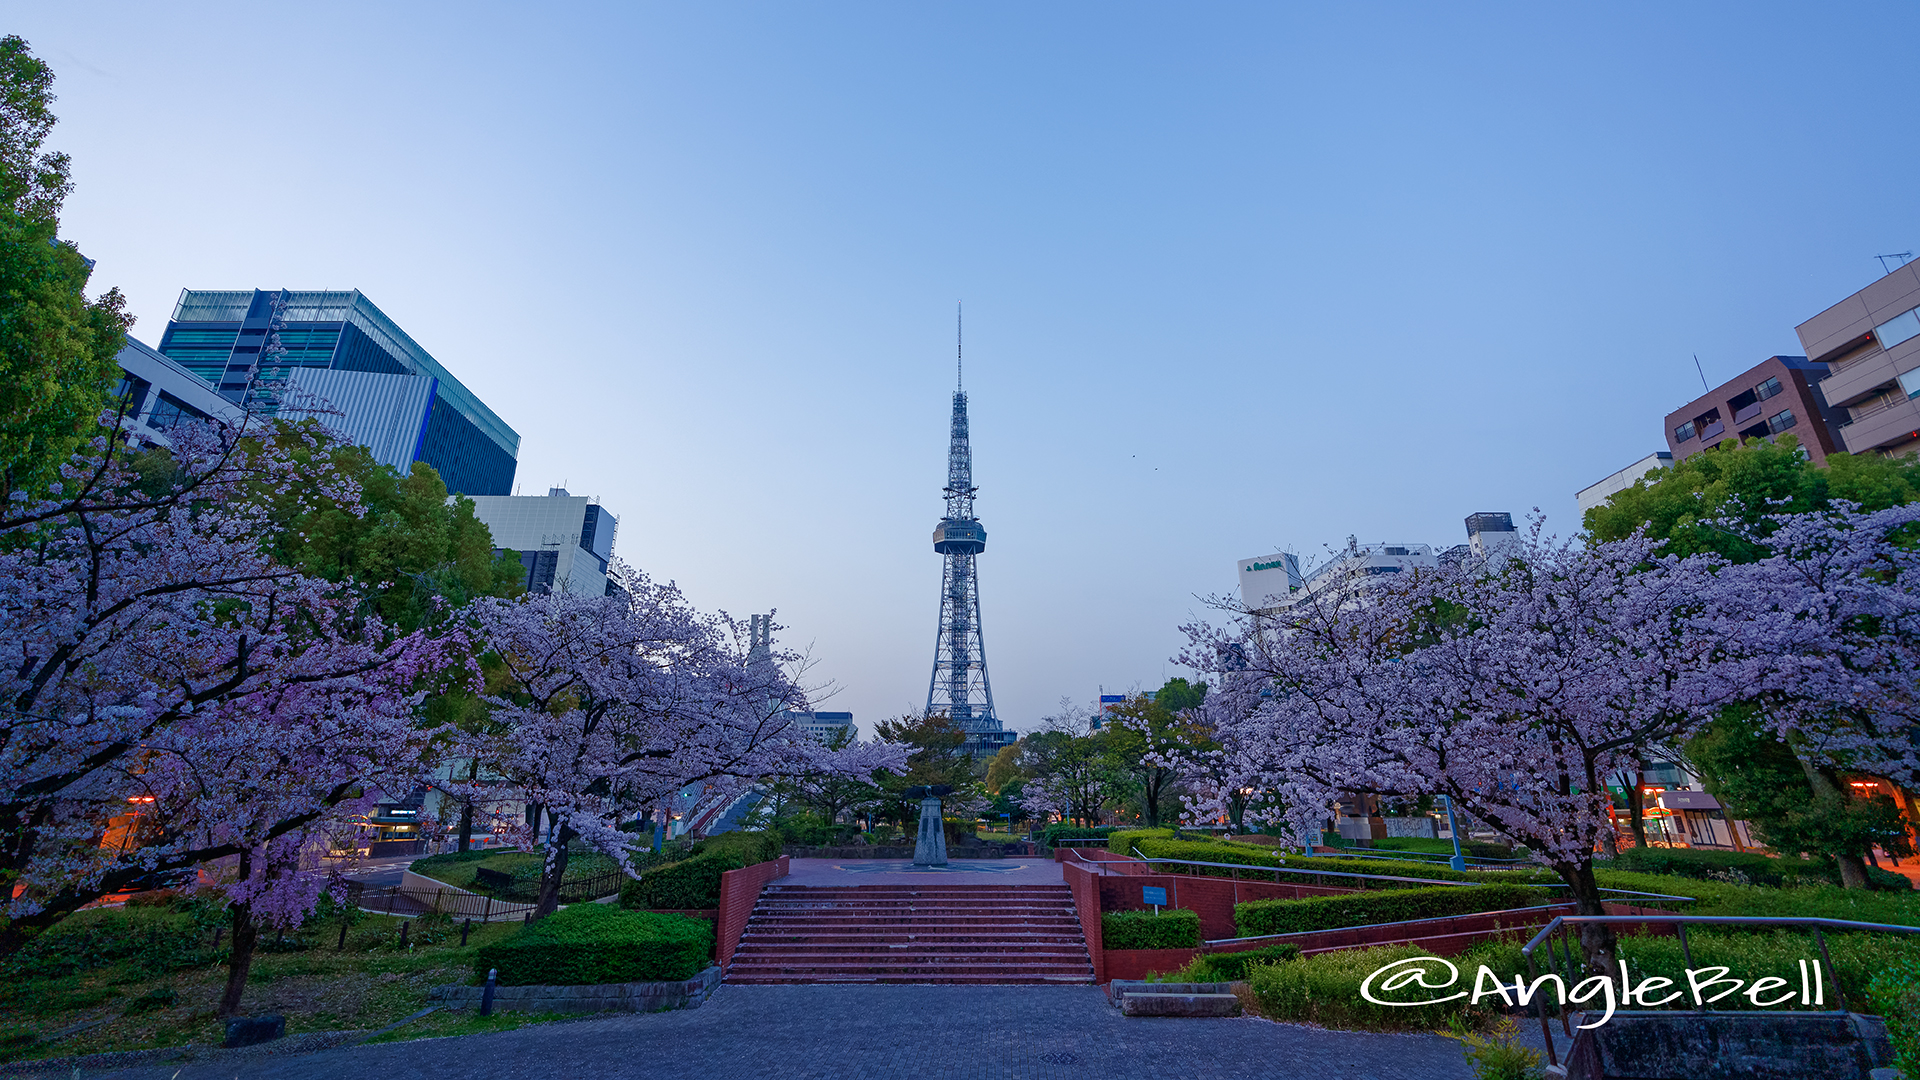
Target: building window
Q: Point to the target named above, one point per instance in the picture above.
(1909, 384)
(1780, 421)
(1683, 432)
(170, 410)
(132, 393)
(1709, 424)
(1898, 329)
(1767, 389)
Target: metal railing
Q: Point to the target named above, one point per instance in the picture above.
(1571, 967)
(1633, 895)
(1416, 856)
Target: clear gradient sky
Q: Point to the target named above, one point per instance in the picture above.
(1238, 277)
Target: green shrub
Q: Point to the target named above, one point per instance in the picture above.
(1057, 833)
(1498, 1055)
(1324, 989)
(685, 885)
(1123, 841)
(150, 940)
(1231, 966)
(1746, 868)
(751, 846)
(1810, 901)
(596, 943)
(1258, 918)
(1174, 928)
(1895, 995)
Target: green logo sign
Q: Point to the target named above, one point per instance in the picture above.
(1265, 566)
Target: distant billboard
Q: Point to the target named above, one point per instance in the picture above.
(1269, 581)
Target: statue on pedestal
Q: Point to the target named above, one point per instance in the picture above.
(931, 848)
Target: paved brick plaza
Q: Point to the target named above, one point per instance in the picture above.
(873, 1032)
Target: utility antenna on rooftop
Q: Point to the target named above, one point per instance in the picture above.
(1703, 373)
(1903, 256)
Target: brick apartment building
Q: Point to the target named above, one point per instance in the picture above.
(1780, 395)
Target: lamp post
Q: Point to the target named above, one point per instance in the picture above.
(1459, 861)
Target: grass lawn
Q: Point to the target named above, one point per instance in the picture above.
(140, 978)
(458, 870)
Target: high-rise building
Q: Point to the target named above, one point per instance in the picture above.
(1869, 349)
(565, 541)
(959, 687)
(335, 356)
(1780, 394)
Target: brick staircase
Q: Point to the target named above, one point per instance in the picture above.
(913, 934)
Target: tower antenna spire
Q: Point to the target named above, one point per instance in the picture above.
(959, 349)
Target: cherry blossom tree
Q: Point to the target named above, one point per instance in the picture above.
(155, 653)
(611, 704)
(1827, 628)
(1515, 692)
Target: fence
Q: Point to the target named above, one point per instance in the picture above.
(394, 900)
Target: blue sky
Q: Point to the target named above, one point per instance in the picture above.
(1238, 277)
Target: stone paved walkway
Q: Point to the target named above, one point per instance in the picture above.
(871, 1033)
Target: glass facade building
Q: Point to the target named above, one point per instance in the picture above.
(334, 355)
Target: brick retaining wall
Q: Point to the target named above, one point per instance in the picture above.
(739, 891)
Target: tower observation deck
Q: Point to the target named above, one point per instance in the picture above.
(959, 687)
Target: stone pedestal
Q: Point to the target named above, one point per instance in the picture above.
(931, 849)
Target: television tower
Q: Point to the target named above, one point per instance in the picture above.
(959, 686)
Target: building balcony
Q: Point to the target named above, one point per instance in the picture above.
(1880, 428)
(1858, 379)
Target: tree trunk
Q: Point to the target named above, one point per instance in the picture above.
(1826, 786)
(553, 872)
(245, 935)
(1150, 794)
(466, 808)
(1636, 805)
(1596, 939)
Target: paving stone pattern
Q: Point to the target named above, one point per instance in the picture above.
(875, 1033)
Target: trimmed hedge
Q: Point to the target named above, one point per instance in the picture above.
(1074, 832)
(684, 885)
(1257, 918)
(597, 943)
(1232, 966)
(1744, 868)
(1175, 928)
(1425, 845)
(1159, 844)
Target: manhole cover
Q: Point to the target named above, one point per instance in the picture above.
(1060, 1058)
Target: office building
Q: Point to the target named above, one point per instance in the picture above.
(565, 541)
(1777, 396)
(159, 394)
(1268, 583)
(336, 357)
(823, 727)
(1598, 492)
(1356, 567)
(1869, 347)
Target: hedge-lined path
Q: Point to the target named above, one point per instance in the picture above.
(871, 1033)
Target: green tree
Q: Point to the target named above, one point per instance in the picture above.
(1004, 769)
(57, 348)
(416, 557)
(1797, 803)
(1746, 483)
(938, 756)
(1151, 737)
(1082, 768)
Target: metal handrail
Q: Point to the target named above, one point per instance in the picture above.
(1412, 856)
(1681, 922)
(1376, 926)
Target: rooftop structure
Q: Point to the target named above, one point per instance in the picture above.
(1869, 345)
(157, 394)
(822, 727)
(336, 357)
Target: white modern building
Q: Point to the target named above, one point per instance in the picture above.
(1272, 583)
(823, 727)
(1267, 583)
(1598, 492)
(159, 394)
(565, 541)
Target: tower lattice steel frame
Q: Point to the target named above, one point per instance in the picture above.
(959, 686)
